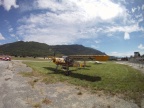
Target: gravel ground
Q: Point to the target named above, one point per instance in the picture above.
(16, 92)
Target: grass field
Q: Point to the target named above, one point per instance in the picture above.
(108, 77)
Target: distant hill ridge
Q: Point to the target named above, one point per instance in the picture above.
(36, 49)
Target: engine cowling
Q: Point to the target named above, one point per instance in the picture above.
(59, 61)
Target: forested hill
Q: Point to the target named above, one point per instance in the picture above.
(36, 49)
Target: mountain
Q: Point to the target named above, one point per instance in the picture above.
(76, 50)
(35, 49)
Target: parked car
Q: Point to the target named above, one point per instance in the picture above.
(5, 58)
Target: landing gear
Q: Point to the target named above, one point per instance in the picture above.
(68, 73)
(65, 68)
(56, 68)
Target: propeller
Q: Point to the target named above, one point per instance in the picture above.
(54, 57)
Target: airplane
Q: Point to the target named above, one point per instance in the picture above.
(65, 62)
(69, 61)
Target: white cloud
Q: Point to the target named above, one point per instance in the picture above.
(142, 7)
(43, 28)
(126, 36)
(141, 47)
(7, 4)
(86, 9)
(97, 41)
(139, 16)
(12, 35)
(122, 54)
(66, 21)
(140, 20)
(138, 7)
(1, 37)
(130, 28)
(125, 29)
(134, 9)
(10, 29)
(26, 6)
(50, 4)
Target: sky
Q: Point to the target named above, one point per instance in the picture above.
(115, 27)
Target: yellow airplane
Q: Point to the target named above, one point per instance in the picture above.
(68, 61)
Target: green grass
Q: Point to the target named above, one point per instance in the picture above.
(108, 77)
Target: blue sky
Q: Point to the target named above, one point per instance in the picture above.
(115, 27)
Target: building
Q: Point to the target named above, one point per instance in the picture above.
(136, 54)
